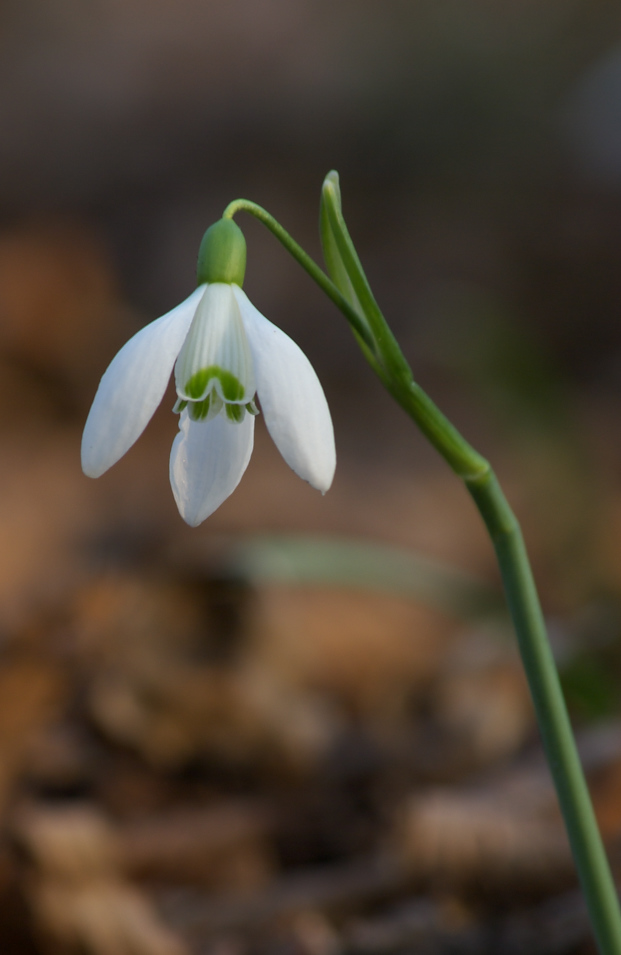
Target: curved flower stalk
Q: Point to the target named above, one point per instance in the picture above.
(225, 354)
(349, 289)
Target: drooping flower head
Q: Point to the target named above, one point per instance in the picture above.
(225, 355)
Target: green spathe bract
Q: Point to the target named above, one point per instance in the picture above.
(222, 254)
(231, 388)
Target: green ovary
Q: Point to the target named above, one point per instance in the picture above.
(232, 388)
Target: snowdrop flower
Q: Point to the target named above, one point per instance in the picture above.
(225, 355)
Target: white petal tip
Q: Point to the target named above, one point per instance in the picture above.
(91, 467)
(192, 514)
(322, 486)
(319, 474)
(193, 521)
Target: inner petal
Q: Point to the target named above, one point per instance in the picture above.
(216, 355)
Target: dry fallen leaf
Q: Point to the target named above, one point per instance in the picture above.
(79, 895)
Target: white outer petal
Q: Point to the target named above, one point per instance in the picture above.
(207, 462)
(133, 386)
(292, 399)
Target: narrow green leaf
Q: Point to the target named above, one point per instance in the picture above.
(363, 566)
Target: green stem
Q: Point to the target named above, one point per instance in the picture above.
(552, 717)
(384, 354)
(298, 253)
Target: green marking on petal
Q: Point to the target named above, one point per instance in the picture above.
(206, 409)
(198, 410)
(197, 384)
(179, 405)
(235, 413)
(251, 408)
(232, 388)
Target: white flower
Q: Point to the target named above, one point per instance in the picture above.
(223, 352)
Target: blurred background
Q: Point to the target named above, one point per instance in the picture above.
(302, 728)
